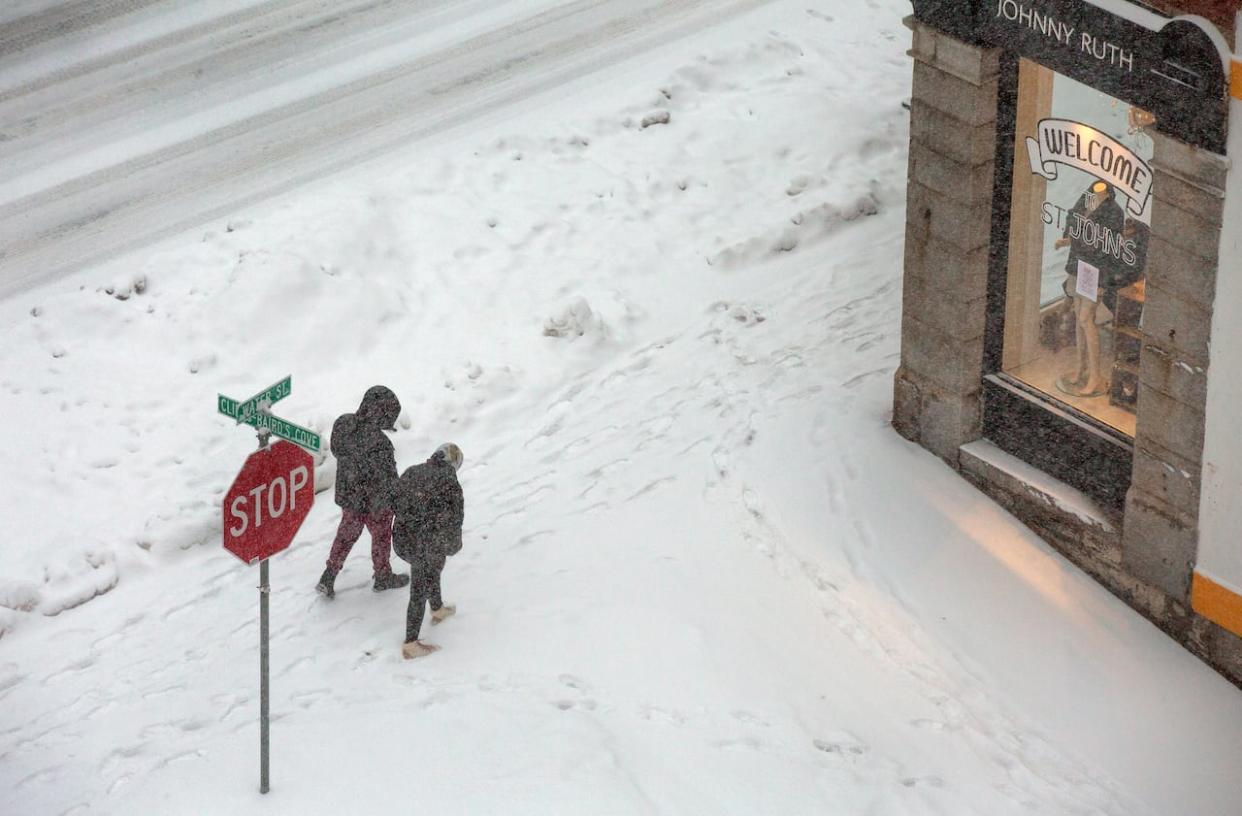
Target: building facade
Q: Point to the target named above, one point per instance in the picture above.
(1072, 312)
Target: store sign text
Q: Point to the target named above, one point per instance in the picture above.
(1073, 144)
(1064, 33)
(1082, 228)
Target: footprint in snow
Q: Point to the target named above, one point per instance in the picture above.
(310, 699)
(845, 746)
(670, 716)
(176, 687)
(568, 705)
(573, 682)
(923, 781)
(743, 716)
(119, 757)
(652, 486)
(72, 668)
(530, 537)
(798, 185)
(181, 757)
(753, 743)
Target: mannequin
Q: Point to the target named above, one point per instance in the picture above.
(1096, 214)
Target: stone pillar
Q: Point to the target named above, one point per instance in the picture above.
(937, 393)
(1161, 533)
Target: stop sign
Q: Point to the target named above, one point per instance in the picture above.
(268, 501)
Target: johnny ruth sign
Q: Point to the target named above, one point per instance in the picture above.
(1082, 147)
(1065, 33)
(1174, 68)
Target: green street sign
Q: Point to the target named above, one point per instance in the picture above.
(256, 412)
(287, 430)
(243, 411)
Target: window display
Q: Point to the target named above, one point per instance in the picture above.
(1078, 245)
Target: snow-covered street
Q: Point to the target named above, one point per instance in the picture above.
(642, 262)
(240, 99)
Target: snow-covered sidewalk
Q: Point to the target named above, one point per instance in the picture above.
(659, 310)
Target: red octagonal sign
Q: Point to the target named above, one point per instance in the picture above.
(268, 501)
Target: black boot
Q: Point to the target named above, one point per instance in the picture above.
(324, 587)
(390, 580)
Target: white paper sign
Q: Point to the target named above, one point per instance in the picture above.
(1088, 280)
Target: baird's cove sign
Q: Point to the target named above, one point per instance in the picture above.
(1082, 147)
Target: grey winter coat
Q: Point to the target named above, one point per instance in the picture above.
(430, 510)
(366, 469)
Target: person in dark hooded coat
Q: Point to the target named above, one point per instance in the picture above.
(430, 509)
(366, 473)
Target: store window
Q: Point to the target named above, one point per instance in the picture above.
(1079, 228)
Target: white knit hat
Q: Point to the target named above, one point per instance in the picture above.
(452, 453)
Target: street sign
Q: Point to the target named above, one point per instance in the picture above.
(268, 501)
(242, 411)
(257, 412)
(287, 430)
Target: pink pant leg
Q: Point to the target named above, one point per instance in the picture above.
(346, 534)
(380, 527)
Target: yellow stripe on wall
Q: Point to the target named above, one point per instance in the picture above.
(1235, 80)
(1216, 603)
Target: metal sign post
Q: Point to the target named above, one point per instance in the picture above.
(262, 512)
(264, 741)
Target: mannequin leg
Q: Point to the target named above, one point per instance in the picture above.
(1088, 379)
(1091, 333)
(1080, 342)
(1072, 382)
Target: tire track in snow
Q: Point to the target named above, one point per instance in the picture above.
(267, 13)
(25, 32)
(279, 45)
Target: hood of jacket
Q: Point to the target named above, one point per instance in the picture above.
(380, 407)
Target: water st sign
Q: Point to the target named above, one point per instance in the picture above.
(243, 411)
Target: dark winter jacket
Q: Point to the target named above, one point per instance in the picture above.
(1108, 219)
(366, 465)
(430, 510)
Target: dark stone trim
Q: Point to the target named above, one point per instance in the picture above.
(1058, 440)
(1002, 201)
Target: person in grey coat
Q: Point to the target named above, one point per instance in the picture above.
(366, 473)
(430, 510)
